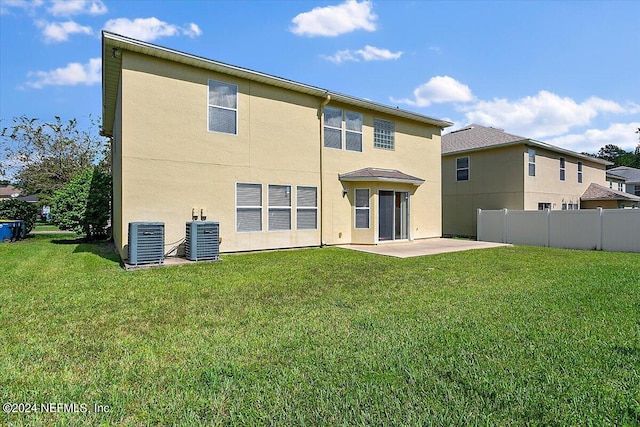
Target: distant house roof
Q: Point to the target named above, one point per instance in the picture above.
(111, 69)
(29, 199)
(8, 191)
(475, 137)
(615, 176)
(376, 174)
(631, 175)
(600, 192)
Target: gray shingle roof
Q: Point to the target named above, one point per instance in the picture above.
(476, 136)
(632, 175)
(377, 174)
(600, 192)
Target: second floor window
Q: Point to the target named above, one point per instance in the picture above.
(462, 169)
(223, 107)
(342, 125)
(532, 162)
(383, 134)
(580, 172)
(562, 169)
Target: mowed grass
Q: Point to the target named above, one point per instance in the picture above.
(507, 336)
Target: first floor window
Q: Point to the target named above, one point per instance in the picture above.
(564, 206)
(279, 207)
(307, 208)
(462, 169)
(544, 206)
(223, 107)
(248, 207)
(383, 134)
(362, 207)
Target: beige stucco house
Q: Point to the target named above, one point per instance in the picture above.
(487, 168)
(279, 164)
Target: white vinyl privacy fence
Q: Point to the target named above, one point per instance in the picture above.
(601, 229)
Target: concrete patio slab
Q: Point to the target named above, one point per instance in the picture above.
(422, 247)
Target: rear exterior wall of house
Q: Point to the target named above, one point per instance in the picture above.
(168, 165)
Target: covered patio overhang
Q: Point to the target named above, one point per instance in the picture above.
(380, 175)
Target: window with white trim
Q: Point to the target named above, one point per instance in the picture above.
(342, 125)
(362, 208)
(562, 169)
(462, 169)
(306, 208)
(620, 186)
(544, 206)
(580, 172)
(279, 207)
(564, 206)
(383, 134)
(223, 107)
(532, 162)
(248, 207)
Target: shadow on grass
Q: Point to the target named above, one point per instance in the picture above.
(102, 248)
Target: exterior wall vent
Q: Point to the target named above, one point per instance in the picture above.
(146, 243)
(202, 240)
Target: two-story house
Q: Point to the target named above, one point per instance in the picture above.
(625, 178)
(279, 164)
(487, 168)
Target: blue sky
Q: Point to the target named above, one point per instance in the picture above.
(567, 73)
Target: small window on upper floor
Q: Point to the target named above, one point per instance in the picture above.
(383, 134)
(532, 162)
(223, 107)
(562, 169)
(580, 172)
(462, 169)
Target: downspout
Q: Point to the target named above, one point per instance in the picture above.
(320, 117)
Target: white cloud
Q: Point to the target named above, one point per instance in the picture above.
(28, 6)
(437, 90)
(71, 75)
(621, 134)
(369, 53)
(331, 21)
(149, 29)
(543, 115)
(54, 32)
(77, 7)
(192, 31)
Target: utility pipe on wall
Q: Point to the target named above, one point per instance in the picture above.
(320, 118)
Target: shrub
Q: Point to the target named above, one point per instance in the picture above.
(82, 205)
(19, 209)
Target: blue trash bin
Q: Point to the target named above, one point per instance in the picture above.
(6, 230)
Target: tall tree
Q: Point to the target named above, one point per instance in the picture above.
(48, 155)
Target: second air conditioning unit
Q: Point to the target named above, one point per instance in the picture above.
(202, 240)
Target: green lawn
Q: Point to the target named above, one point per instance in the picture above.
(507, 336)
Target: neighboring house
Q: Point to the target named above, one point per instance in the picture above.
(487, 168)
(631, 177)
(8, 192)
(598, 196)
(616, 182)
(279, 164)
